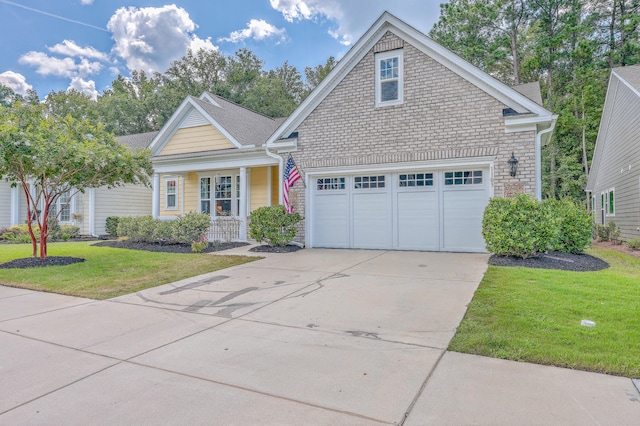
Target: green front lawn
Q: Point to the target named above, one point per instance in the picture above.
(107, 272)
(534, 315)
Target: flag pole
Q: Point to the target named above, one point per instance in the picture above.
(294, 163)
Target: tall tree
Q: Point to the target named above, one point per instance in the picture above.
(315, 75)
(48, 157)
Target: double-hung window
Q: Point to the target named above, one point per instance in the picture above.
(389, 78)
(205, 195)
(171, 193)
(62, 205)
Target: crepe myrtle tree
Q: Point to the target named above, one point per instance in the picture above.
(49, 156)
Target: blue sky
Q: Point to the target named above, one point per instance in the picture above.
(84, 44)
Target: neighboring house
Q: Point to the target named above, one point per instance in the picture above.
(614, 178)
(89, 210)
(210, 157)
(402, 145)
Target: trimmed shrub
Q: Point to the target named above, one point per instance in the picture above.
(71, 231)
(136, 229)
(634, 244)
(163, 233)
(608, 232)
(191, 227)
(519, 226)
(273, 224)
(574, 226)
(111, 226)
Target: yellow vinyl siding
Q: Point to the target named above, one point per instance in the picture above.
(196, 139)
(275, 185)
(191, 193)
(258, 187)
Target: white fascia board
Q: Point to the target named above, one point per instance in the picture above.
(232, 161)
(523, 124)
(456, 64)
(161, 137)
(403, 167)
(337, 74)
(173, 125)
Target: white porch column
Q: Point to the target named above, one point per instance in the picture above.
(155, 198)
(269, 184)
(243, 203)
(92, 212)
(15, 206)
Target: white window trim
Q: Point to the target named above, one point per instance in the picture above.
(235, 192)
(387, 55)
(166, 192)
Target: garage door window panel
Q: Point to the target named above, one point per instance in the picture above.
(331, 184)
(463, 178)
(410, 180)
(368, 182)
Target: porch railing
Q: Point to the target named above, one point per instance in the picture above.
(226, 229)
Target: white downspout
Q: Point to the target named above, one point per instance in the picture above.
(155, 197)
(539, 156)
(280, 171)
(92, 212)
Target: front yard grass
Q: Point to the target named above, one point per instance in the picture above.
(107, 272)
(534, 315)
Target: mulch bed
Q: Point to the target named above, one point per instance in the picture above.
(36, 262)
(275, 249)
(553, 260)
(168, 248)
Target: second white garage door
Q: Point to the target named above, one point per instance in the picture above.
(438, 210)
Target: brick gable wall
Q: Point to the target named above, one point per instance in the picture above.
(443, 117)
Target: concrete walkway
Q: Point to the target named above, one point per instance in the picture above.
(322, 337)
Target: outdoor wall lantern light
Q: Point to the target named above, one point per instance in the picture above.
(513, 165)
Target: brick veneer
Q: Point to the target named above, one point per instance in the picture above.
(443, 117)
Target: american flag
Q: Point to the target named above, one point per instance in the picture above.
(291, 176)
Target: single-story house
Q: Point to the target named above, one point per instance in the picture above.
(210, 157)
(88, 210)
(403, 144)
(614, 178)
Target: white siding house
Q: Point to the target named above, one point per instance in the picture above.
(614, 178)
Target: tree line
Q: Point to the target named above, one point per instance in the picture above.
(143, 103)
(569, 46)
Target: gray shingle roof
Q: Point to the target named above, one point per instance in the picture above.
(630, 74)
(137, 141)
(246, 126)
(531, 91)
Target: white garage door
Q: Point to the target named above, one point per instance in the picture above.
(428, 210)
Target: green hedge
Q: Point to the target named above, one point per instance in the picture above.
(273, 224)
(525, 227)
(183, 230)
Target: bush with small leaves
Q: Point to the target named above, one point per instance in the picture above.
(163, 232)
(273, 224)
(190, 227)
(111, 226)
(574, 226)
(520, 226)
(634, 244)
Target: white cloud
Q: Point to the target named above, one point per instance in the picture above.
(16, 82)
(352, 18)
(59, 67)
(86, 2)
(257, 29)
(87, 87)
(47, 65)
(70, 48)
(150, 38)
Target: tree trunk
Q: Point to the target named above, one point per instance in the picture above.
(584, 140)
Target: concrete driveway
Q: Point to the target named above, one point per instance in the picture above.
(312, 337)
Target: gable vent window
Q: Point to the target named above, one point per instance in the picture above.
(389, 78)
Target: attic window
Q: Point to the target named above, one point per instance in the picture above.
(509, 112)
(389, 78)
